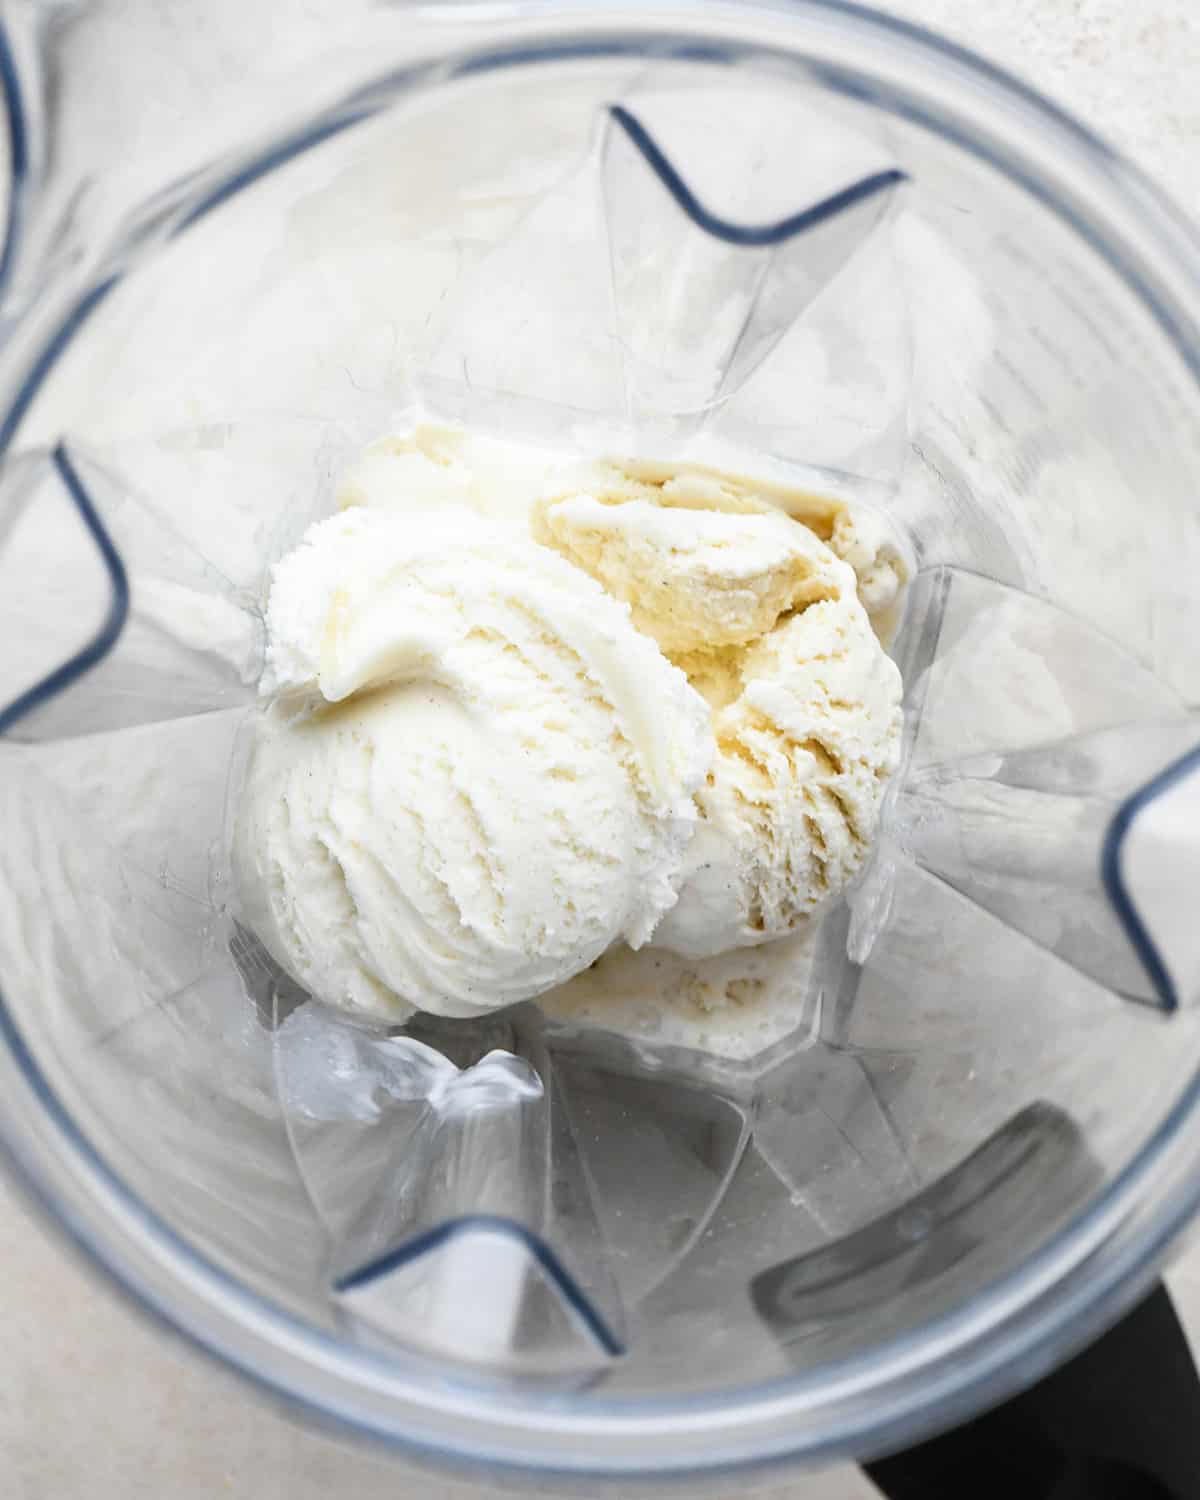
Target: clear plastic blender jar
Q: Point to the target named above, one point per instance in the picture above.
(542, 1242)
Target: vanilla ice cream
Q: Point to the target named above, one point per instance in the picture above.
(475, 775)
(767, 622)
(523, 710)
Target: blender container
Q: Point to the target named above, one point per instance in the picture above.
(805, 232)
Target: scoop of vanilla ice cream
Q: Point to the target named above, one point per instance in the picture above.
(767, 622)
(474, 775)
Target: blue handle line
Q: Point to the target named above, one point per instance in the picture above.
(1118, 892)
(106, 637)
(451, 1229)
(751, 236)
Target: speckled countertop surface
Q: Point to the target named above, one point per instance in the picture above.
(93, 1402)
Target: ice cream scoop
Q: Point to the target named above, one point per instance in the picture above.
(768, 624)
(474, 774)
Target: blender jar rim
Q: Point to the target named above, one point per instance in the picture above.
(1023, 1322)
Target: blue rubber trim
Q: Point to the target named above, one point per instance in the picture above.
(452, 1229)
(748, 235)
(18, 153)
(1114, 882)
(48, 356)
(118, 605)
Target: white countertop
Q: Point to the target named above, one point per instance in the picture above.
(94, 1402)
